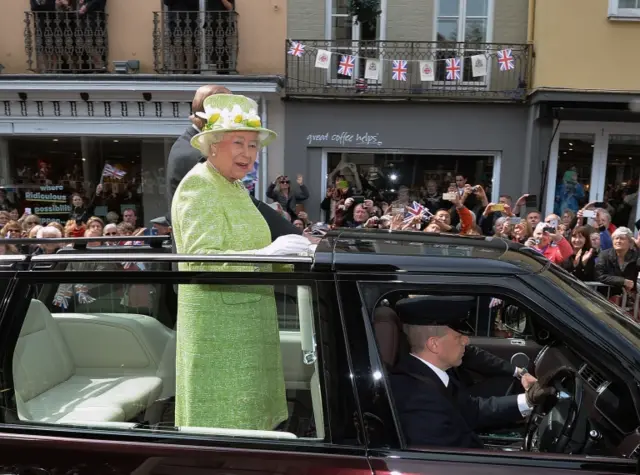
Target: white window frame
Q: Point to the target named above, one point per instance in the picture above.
(462, 17)
(355, 39)
(622, 14)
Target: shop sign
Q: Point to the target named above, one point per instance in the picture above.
(345, 139)
(50, 202)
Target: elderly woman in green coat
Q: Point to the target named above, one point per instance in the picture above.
(228, 362)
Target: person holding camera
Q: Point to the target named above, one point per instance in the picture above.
(543, 240)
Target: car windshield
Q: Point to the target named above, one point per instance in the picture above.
(595, 303)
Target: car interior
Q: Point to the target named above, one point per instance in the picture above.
(108, 365)
(594, 413)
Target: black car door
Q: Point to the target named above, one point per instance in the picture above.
(388, 451)
(60, 362)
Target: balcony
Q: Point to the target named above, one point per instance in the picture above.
(502, 82)
(66, 42)
(195, 42)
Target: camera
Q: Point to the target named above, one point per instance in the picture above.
(549, 229)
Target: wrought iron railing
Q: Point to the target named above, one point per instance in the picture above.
(507, 75)
(194, 42)
(66, 42)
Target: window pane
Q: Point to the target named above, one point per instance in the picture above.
(628, 4)
(341, 28)
(447, 30)
(340, 6)
(449, 8)
(477, 7)
(105, 354)
(475, 31)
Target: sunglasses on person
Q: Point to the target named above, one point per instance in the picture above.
(285, 181)
(111, 234)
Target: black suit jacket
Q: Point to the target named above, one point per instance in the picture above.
(183, 157)
(432, 414)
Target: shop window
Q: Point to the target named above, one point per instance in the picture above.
(621, 180)
(573, 179)
(46, 172)
(380, 176)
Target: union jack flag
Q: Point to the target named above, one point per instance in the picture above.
(505, 59)
(399, 70)
(347, 63)
(453, 69)
(113, 172)
(416, 210)
(297, 49)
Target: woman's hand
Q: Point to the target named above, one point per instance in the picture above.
(396, 222)
(587, 256)
(348, 203)
(628, 285)
(371, 222)
(508, 211)
(576, 261)
(300, 180)
(531, 242)
(488, 209)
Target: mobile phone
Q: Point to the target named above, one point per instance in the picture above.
(27, 211)
(397, 210)
(531, 201)
(358, 199)
(449, 196)
(549, 229)
(498, 207)
(515, 220)
(588, 213)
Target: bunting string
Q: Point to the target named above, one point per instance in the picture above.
(453, 65)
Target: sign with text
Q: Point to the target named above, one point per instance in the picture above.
(50, 202)
(347, 139)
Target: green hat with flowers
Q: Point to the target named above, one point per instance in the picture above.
(229, 113)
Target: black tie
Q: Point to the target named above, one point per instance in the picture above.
(452, 387)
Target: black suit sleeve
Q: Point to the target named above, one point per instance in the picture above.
(481, 361)
(277, 224)
(492, 412)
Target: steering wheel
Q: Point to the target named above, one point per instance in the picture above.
(551, 426)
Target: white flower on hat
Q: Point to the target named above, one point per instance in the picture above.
(210, 114)
(253, 119)
(236, 116)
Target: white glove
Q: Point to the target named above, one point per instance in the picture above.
(291, 244)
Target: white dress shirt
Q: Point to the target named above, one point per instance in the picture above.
(523, 406)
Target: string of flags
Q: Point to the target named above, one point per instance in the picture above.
(400, 68)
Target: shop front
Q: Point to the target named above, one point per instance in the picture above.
(586, 148)
(385, 146)
(67, 136)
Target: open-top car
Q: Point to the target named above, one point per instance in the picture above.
(88, 359)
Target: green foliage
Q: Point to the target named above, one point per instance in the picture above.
(365, 11)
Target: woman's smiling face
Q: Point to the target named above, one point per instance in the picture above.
(235, 154)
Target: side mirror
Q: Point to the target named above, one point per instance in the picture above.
(514, 320)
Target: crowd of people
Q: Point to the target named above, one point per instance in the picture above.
(80, 223)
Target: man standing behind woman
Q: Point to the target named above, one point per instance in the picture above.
(229, 365)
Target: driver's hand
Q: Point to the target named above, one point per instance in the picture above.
(536, 394)
(527, 381)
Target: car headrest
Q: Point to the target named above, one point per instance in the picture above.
(388, 332)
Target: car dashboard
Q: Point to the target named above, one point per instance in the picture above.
(613, 425)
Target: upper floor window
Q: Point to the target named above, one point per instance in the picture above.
(624, 10)
(463, 21)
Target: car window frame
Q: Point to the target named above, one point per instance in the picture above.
(516, 289)
(26, 280)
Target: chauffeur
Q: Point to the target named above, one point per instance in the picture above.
(433, 409)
